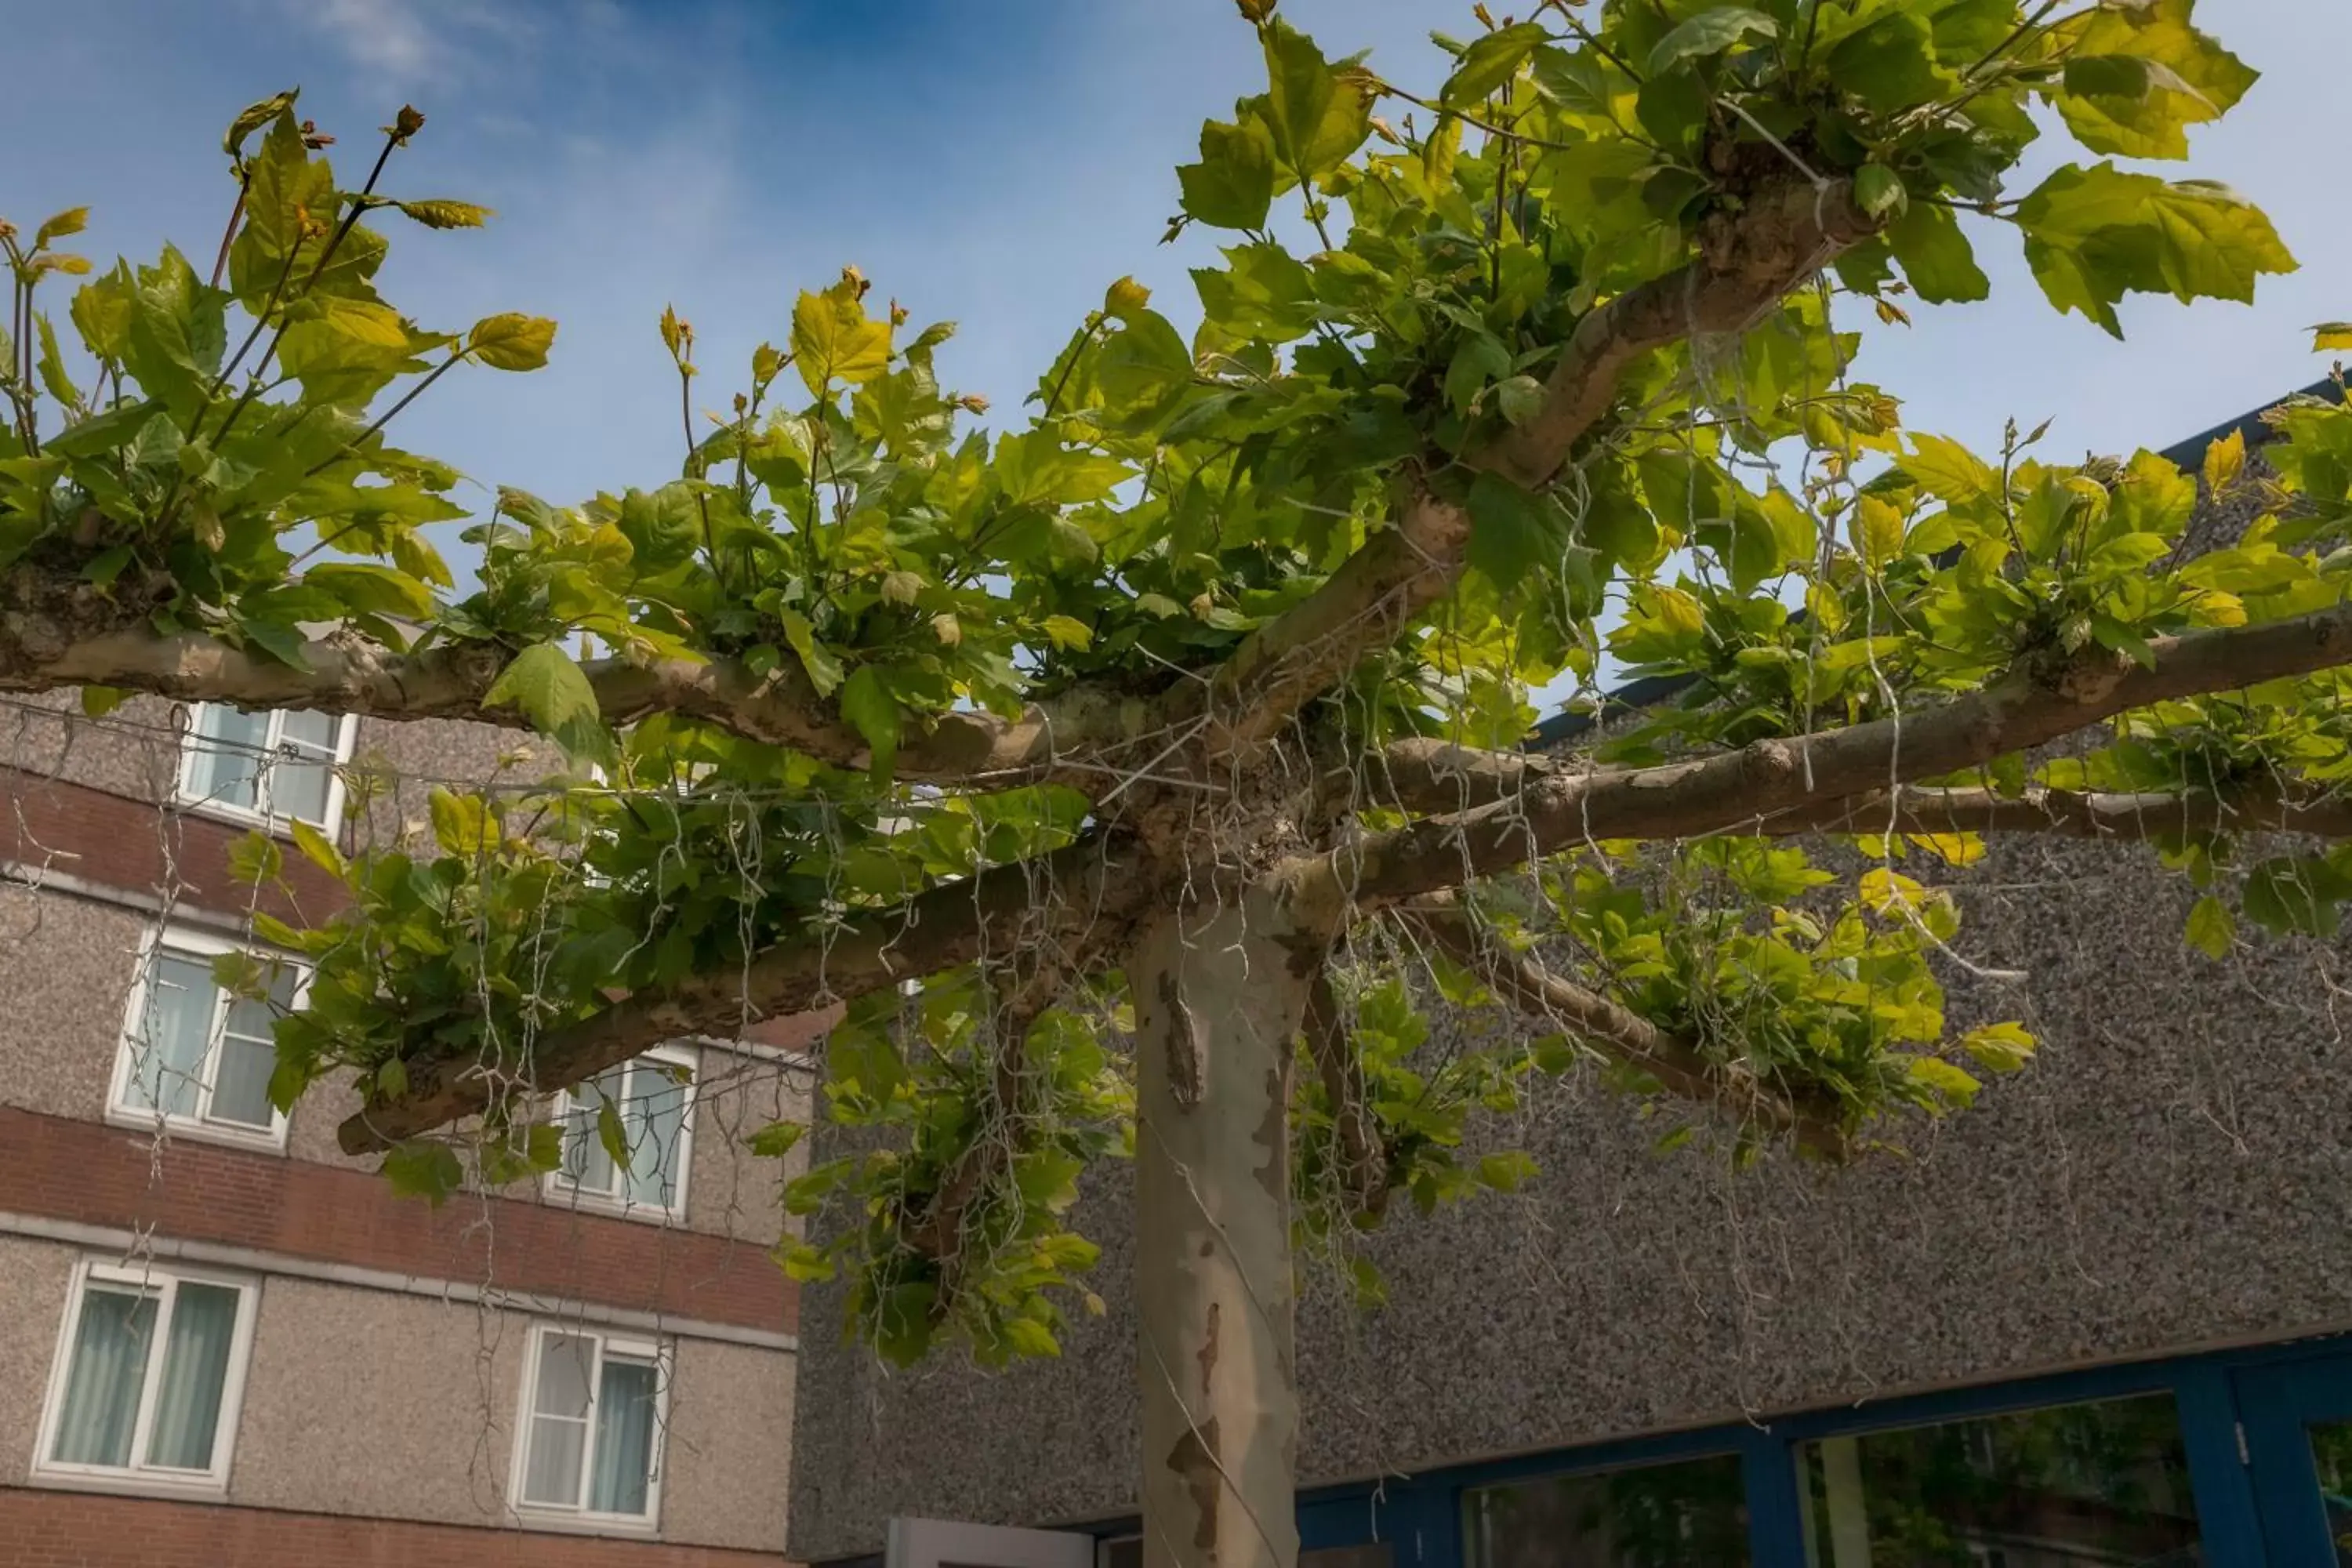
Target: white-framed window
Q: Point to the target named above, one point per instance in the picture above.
(652, 1098)
(271, 767)
(193, 1057)
(588, 1445)
(149, 1372)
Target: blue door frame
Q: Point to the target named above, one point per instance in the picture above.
(2243, 1415)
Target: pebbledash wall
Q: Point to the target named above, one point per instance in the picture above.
(2173, 1174)
(378, 1389)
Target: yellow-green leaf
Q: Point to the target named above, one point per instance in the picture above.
(73, 220)
(460, 823)
(1068, 631)
(1998, 1047)
(2211, 931)
(511, 342)
(834, 340)
(2331, 335)
(2225, 459)
(317, 848)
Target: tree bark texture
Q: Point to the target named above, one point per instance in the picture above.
(1219, 998)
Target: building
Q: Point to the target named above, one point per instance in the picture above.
(2105, 1316)
(221, 1343)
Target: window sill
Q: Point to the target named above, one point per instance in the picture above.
(253, 1140)
(557, 1195)
(132, 1483)
(558, 1521)
(237, 816)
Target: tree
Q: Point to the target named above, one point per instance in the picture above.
(1189, 709)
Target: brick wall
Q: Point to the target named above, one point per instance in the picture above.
(72, 1530)
(60, 1168)
(141, 847)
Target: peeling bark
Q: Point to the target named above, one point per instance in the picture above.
(1220, 995)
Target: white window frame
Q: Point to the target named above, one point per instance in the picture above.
(120, 1109)
(184, 788)
(139, 1475)
(661, 1355)
(560, 1186)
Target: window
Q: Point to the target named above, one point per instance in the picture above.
(2100, 1482)
(195, 1057)
(269, 766)
(646, 1107)
(591, 1430)
(148, 1368)
(1681, 1515)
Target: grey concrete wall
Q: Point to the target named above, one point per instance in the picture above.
(66, 970)
(372, 1405)
(2174, 1171)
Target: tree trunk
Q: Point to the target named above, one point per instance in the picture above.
(1219, 995)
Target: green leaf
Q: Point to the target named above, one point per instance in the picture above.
(447, 215)
(97, 701)
(461, 825)
(1948, 470)
(610, 1132)
(1507, 1171)
(1028, 1337)
(1880, 190)
(1232, 185)
(1318, 116)
(1514, 534)
(872, 712)
(1890, 65)
(2139, 75)
(2093, 236)
(822, 667)
(1493, 59)
(1936, 258)
(1998, 1047)
(511, 342)
(1953, 1083)
(101, 432)
(776, 1140)
(101, 313)
(2212, 931)
(1711, 32)
(52, 365)
(806, 1264)
(252, 116)
(550, 690)
(317, 848)
(430, 1171)
(368, 589)
(834, 340)
(1067, 632)
(254, 859)
(2295, 893)
(2331, 335)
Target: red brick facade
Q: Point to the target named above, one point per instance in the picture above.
(73, 1529)
(60, 1168)
(144, 849)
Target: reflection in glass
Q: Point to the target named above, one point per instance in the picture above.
(1687, 1515)
(2331, 1454)
(2103, 1483)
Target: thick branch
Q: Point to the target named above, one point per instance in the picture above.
(1620, 1034)
(349, 675)
(1746, 265)
(1746, 789)
(1430, 777)
(1080, 896)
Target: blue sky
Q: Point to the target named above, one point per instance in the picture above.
(995, 162)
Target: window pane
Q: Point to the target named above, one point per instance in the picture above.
(2331, 1453)
(2083, 1483)
(657, 1126)
(102, 1380)
(226, 749)
(625, 1438)
(309, 731)
(1687, 1515)
(564, 1364)
(586, 1164)
(551, 1474)
(248, 1054)
(167, 1055)
(299, 789)
(195, 1375)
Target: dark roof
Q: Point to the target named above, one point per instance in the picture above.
(1651, 690)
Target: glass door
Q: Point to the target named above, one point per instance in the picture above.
(2297, 1420)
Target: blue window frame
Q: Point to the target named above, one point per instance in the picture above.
(2266, 1434)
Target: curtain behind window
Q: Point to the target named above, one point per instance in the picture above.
(102, 1384)
(195, 1375)
(624, 1439)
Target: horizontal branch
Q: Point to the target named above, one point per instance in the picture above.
(1802, 776)
(1621, 1034)
(344, 674)
(1083, 894)
(1746, 265)
(2072, 814)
